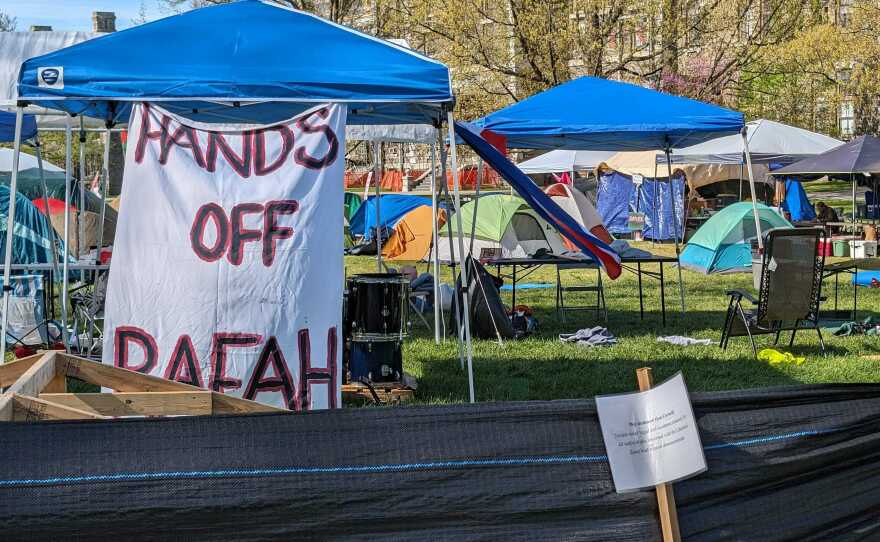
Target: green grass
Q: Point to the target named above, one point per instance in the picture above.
(541, 367)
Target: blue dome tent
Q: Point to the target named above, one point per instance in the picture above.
(393, 207)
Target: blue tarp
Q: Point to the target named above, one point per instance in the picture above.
(392, 207)
(248, 51)
(616, 195)
(661, 213)
(796, 202)
(542, 204)
(7, 126)
(590, 113)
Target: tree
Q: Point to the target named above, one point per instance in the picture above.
(7, 22)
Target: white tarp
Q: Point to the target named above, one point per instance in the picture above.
(25, 161)
(395, 133)
(15, 48)
(652, 163)
(769, 141)
(226, 269)
(561, 161)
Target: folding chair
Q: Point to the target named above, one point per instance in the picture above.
(790, 289)
(27, 324)
(87, 334)
(598, 306)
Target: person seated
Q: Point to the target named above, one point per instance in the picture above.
(825, 213)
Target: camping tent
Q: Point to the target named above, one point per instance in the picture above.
(723, 243)
(392, 208)
(32, 234)
(411, 238)
(564, 161)
(352, 204)
(576, 204)
(796, 202)
(769, 141)
(25, 162)
(505, 225)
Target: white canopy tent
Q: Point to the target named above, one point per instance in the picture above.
(768, 141)
(25, 161)
(561, 160)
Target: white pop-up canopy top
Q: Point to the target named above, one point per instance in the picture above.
(564, 161)
(232, 63)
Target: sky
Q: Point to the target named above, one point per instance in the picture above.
(77, 14)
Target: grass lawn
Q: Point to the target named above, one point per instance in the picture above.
(542, 367)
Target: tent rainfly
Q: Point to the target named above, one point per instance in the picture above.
(381, 83)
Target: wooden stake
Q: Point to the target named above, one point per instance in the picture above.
(665, 495)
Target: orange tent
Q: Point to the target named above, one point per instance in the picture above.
(411, 240)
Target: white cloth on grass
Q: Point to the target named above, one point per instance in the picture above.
(594, 336)
(681, 340)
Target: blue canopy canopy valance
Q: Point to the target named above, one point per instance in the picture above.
(589, 113)
(248, 61)
(7, 126)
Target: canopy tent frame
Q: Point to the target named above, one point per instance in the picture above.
(431, 100)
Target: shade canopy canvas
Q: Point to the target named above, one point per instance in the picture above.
(562, 160)
(590, 113)
(247, 75)
(858, 158)
(25, 162)
(648, 164)
(769, 141)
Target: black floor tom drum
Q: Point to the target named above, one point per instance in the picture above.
(378, 307)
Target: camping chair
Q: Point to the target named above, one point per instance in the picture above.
(790, 288)
(87, 335)
(27, 324)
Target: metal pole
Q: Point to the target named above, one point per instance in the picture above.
(81, 208)
(434, 238)
(450, 120)
(675, 222)
(852, 179)
(52, 233)
(476, 204)
(752, 189)
(105, 189)
(455, 298)
(68, 167)
(740, 180)
(376, 183)
(10, 227)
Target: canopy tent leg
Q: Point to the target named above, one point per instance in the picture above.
(81, 208)
(450, 120)
(376, 182)
(852, 179)
(65, 275)
(752, 189)
(52, 234)
(456, 301)
(740, 181)
(10, 227)
(105, 188)
(434, 236)
(675, 222)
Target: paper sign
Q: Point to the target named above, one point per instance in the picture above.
(227, 268)
(651, 436)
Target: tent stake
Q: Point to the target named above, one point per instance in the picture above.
(665, 495)
(10, 227)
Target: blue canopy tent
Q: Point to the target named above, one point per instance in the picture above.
(7, 127)
(233, 63)
(393, 207)
(611, 115)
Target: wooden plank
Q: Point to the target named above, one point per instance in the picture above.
(30, 409)
(226, 404)
(665, 495)
(10, 372)
(31, 383)
(123, 380)
(138, 403)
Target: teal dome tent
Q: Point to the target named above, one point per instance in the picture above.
(723, 243)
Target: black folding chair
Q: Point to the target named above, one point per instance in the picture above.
(790, 289)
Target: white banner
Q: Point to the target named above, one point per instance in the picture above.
(227, 263)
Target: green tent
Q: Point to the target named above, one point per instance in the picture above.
(505, 225)
(723, 243)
